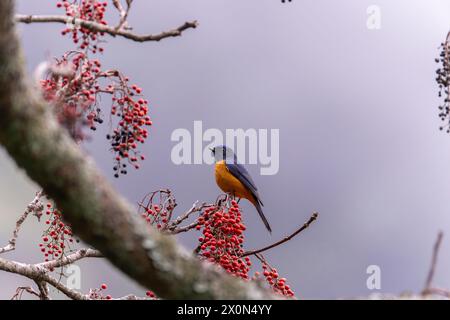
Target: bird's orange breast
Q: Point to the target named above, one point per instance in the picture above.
(229, 183)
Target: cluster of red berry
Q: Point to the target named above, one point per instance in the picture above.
(87, 10)
(156, 216)
(57, 237)
(73, 92)
(151, 295)
(275, 282)
(132, 111)
(223, 237)
(222, 243)
(157, 208)
(75, 89)
(99, 293)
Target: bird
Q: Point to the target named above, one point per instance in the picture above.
(234, 179)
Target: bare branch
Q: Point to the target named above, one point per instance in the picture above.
(21, 290)
(71, 258)
(112, 31)
(40, 275)
(36, 207)
(185, 228)
(43, 290)
(428, 284)
(303, 227)
(123, 13)
(173, 227)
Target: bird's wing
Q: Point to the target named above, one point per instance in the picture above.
(240, 173)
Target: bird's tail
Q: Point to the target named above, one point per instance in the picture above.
(261, 214)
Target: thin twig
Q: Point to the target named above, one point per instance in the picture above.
(21, 290)
(261, 258)
(123, 13)
(174, 228)
(71, 258)
(36, 207)
(191, 226)
(434, 258)
(303, 227)
(186, 215)
(112, 31)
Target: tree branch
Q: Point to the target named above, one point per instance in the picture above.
(40, 276)
(21, 290)
(71, 258)
(112, 31)
(36, 207)
(429, 283)
(95, 211)
(123, 13)
(43, 290)
(174, 227)
(305, 226)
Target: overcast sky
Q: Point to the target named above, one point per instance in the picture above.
(356, 111)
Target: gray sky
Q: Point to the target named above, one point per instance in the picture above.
(357, 114)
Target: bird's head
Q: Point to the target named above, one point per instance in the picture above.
(223, 153)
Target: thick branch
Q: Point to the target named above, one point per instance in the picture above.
(40, 276)
(39, 273)
(303, 227)
(43, 290)
(97, 214)
(112, 31)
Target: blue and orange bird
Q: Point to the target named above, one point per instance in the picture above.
(235, 180)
